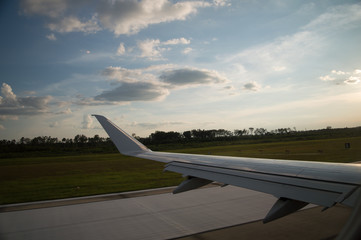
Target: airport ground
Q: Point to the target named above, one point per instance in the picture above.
(208, 213)
(30, 179)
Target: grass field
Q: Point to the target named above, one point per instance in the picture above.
(33, 179)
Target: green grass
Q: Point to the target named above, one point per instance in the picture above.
(326, 150)
(33, 179)
(41, 178)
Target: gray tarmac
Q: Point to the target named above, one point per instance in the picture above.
(190, 215)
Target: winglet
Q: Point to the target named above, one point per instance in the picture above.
(125, 143)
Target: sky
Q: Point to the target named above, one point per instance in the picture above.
(166, 65)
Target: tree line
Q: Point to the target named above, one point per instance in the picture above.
(191, 135)
(196, 135)
(201, 135)
(83, 144)
(153, 138)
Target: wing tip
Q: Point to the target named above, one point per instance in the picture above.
(125, 143)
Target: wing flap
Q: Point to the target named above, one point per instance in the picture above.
(283, 207)
(191, 183)
(306, 190)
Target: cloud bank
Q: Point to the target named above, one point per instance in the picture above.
(12, 105)
(341, 77)
(137, 91)
(120, 17)
(191, 76)
(154, 83)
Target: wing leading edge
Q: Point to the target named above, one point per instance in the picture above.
(294, 183)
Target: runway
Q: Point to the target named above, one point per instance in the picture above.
(160, 216)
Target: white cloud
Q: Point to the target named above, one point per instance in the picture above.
(336, 18)
(129, 17)
(221, 3)
(8, 117)
(51, 37)
(279, 68)
(286, 54)
(279, 54)
(156, 125)
(73, 24)
(123, 74)
(327, 78)
(120, 17)
(66, 111)
(153, 48)
(338, 72)
(8, 96)
(187, 50)
(176, 41)
(87, 122)
(121, 49)
(352, 80)
(150, 48)
(11, 105)
(90, 101)
(62, 16)
(343, 77)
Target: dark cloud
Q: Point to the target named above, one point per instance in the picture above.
(137, 91)
(252, 86)
(47, 8)
(143, 85)
(189, 76)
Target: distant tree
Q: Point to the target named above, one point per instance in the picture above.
(223, 133)
(96, 138)
(161, 137)
(37, 140)
(260, 131)
(24, 140)
(80, 139)
(203, 134)
(187, 135)
(238, 132)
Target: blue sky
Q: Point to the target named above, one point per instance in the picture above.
(178, 65)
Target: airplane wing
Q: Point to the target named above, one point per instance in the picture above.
(294, 183)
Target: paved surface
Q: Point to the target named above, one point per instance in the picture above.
(310, 224)
(161, 216)
(164, 216)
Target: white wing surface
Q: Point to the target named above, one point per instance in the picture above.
(294, 183)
